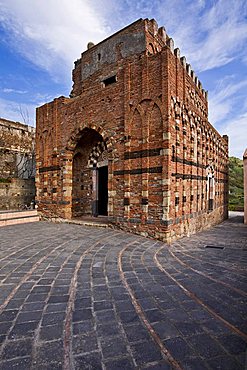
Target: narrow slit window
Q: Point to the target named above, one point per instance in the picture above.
(110, 80)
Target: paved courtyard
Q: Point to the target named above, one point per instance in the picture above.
(74, 297)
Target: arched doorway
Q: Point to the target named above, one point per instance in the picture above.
(90, 175)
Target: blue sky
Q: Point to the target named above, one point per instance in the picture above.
(40, 40)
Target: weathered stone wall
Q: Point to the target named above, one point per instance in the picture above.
(15, 193)
(245, 186)
(17, 164)
(167, 166)
(17, 150)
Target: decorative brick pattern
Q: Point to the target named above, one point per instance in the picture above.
(139, 105)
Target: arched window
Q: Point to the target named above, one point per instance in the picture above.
(210, 187)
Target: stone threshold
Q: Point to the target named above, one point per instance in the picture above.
(101, 221)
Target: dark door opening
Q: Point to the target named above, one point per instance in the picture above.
(102, 190)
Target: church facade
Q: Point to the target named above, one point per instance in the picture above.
(133, 141)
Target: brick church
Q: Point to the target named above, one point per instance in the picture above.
(133, 142)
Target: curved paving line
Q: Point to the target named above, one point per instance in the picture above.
(68, 360)
(147, 262)
(108, 281)
(142, 316)
(49, 294)
(240, 271)
(8, 275)
(239, 291)
(28, 274)
(91, 276)
(198, 300)
(209, 262)
(23, 249)
(38, 329)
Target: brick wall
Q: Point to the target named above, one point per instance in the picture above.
(167, 166)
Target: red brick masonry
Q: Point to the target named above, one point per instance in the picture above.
(133, 141)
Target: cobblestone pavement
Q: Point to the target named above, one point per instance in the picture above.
(74, 297)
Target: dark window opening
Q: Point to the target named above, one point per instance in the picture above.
(110, 80)
(210, 204)
(126, 201)
(173, 153)
(99, 57)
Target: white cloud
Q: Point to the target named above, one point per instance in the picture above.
(9, 91)
(51, 34)
(211, 34)
(236, 129)
(222, 101)
(24, 113)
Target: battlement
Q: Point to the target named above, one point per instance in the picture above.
(142, 36)
(164, 40)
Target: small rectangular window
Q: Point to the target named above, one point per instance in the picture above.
(110, 80)
(210, 204)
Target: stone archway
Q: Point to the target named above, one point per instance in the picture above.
(90, 175)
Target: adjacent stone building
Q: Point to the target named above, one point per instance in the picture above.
(17, 164)
(133, 141)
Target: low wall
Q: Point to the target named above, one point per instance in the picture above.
(16, 192)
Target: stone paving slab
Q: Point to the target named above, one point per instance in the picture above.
(74, 297)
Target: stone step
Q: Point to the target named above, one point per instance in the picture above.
(85, 221)
(18, 217)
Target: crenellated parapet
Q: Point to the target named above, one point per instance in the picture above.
(187, 67)
(164, 40)
(142, 36)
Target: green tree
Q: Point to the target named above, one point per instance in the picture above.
(236, 184)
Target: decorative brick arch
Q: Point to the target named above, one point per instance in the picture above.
(76, 135)
(141, 110)
(134, 108)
